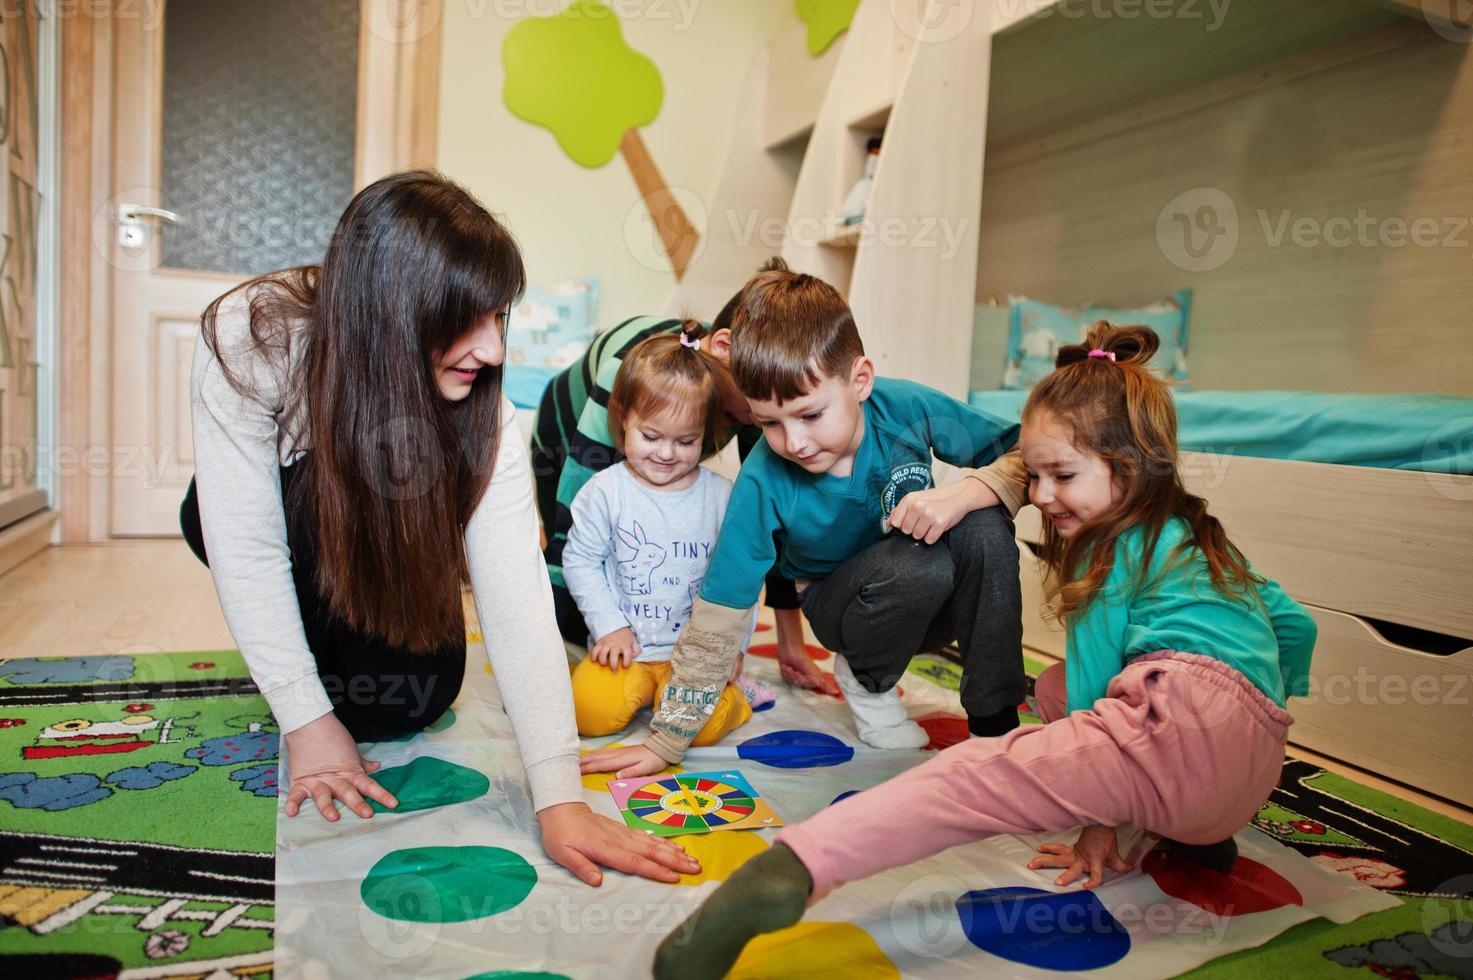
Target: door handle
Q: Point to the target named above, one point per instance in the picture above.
(132, 231)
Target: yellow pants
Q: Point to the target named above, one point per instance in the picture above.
(605, 700)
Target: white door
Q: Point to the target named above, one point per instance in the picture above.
(242, 130)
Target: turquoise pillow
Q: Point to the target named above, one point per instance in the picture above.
(1036, 331)
(552, 325)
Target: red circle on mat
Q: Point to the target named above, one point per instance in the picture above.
(945, 730)
(769, 651)
(763, 627)
(1250, 887)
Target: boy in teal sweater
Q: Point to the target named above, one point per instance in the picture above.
(887, 564)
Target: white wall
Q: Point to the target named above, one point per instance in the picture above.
(571, 220)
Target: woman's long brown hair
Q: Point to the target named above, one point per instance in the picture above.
(1121, 412)
(394, 470)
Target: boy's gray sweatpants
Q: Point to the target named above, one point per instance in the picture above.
(900, 597)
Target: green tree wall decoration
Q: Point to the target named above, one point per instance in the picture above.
(826, 20)
(573, 74)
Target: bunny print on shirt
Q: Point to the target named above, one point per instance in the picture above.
(636, 557)
(636, 571)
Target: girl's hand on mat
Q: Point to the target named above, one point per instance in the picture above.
(927, 514)
(580, 840)
(616, 650)
(1096, 850)
(624, 762)
(326, 766)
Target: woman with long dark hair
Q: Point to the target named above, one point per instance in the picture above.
(355, 463)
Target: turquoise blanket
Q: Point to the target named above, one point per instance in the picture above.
(1433, 433)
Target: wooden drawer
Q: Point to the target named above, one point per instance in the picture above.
(1389, 544)
(1039, 633)
(1396, 711)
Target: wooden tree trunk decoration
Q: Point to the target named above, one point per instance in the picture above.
(573, 74)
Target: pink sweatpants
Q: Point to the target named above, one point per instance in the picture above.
(1182, 745)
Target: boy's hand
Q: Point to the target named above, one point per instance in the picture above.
(624, 762)
(616, 650)
(927, 514)
(1096, 849)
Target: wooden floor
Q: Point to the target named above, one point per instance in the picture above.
(125, 597)
(142, 596)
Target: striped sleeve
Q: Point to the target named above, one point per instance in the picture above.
(590, 447)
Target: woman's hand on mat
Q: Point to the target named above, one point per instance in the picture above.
(624, 762)
(927, 514)
(1096, 850)
(325, 765)
(580, 840)
(616, 650)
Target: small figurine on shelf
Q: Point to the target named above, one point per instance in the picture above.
(858, 199)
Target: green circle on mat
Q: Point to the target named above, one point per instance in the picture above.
(428, 782)
(438, 725)
(447, 884)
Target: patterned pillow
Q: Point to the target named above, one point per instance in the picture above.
(1170, 318)
(1036, 331)
(552, 325)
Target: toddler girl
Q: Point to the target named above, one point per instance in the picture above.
(1179, 661)
(643, 532)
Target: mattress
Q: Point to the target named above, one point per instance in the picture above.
(1432, 433)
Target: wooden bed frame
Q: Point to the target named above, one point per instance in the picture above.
(1352, 544)
(1052, 145)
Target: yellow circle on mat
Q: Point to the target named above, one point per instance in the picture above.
(600, 780)
(719, 853)
(814, 950)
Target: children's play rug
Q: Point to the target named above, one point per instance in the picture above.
(165, 880)
(137, 806)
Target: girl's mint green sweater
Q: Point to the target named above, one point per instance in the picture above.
(1267, 638)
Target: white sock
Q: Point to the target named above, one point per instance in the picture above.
(881, 718)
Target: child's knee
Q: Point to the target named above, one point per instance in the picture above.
(989, 529)
(732, 712)
(1050, 694)
(603, 702)
(919, 581)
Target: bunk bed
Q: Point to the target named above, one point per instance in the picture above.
(1050, 139)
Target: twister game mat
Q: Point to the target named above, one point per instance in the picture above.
(455, 885)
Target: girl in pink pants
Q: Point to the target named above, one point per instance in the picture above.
(1168, 713)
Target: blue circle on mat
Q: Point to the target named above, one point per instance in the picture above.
(766, 706)
(796, 749)
(1049, 930)
(843, 796)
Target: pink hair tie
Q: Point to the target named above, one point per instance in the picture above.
(1097, 352)
(696, 344)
